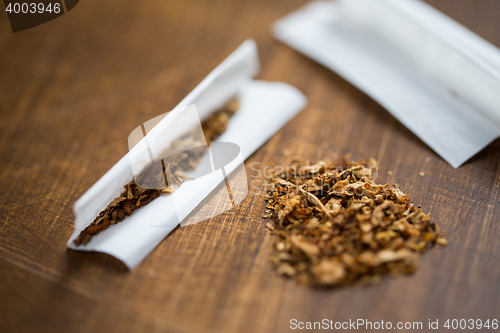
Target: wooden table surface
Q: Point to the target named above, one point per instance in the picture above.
(72, 90)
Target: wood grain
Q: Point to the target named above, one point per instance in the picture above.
(72, 90)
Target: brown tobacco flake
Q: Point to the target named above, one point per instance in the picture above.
(135, 197)
(334, 226)
(270, 226)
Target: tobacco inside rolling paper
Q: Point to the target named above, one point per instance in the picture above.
(333, 225)
(135, 196)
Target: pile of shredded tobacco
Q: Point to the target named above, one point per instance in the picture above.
(161, 174)
(334, 226)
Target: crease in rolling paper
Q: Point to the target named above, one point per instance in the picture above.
(264, 108)
(435, 76)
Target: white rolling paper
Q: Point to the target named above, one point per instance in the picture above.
(436, 77)
(264, 108)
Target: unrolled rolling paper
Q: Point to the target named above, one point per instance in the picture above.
(436, 77)
(265, 107)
